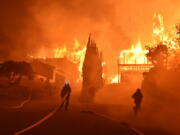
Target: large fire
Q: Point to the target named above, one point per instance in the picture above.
(137, 53)
(163, 35)
(75, 54)
(134, 55)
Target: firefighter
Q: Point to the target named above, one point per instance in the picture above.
(137, 96)
(65, 95)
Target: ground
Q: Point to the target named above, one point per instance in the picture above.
(80, 119)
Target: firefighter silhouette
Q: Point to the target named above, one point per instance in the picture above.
(137, 96)
(65, 95)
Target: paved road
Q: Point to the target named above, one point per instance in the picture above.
(76, 114)
(39, 117)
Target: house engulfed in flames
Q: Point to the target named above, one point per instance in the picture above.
(130, 61)
(134, 60)
(67, 61)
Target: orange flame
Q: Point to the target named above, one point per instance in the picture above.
(163, 35)
(76, 54)
(135, 55)
(114, 79)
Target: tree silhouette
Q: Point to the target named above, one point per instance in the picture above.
(158, 56)
(15, 71)
(92, 72)
(160, 81)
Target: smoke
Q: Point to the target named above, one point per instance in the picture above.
(160, 106)
(36, 27)
(162, 99)
(30, 27)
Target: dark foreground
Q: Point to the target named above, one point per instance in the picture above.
(77, 121)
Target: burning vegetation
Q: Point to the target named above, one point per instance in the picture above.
(136, 54)
(163, 40)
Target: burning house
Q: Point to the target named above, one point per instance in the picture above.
(67, 62)
(134, 61)
(56, 69)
